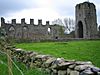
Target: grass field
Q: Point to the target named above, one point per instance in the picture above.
(77, 50)
(4, 68)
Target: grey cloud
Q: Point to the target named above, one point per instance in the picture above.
(65, 9)
(7, 6)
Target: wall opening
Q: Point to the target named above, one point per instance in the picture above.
(80, 29)
(49, 30)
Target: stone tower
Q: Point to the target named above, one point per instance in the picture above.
(86, 21)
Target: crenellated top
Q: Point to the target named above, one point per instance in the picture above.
(31, 21)
(13, 21)
(39, 21)
(23, 21)
(47, 22)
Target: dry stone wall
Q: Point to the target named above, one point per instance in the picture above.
(54, 66)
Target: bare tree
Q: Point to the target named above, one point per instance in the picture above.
(69, 24)
(58, 22)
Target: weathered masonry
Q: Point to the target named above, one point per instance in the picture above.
(86, 20)
(31, 31)
(86, 27)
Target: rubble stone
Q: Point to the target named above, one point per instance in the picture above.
(62, 72)
(52, 65)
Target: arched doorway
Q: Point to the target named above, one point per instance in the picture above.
(80, 29)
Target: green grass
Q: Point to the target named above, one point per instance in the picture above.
(4, 68)
(77, 50)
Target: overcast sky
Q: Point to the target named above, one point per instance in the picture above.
(41, 9)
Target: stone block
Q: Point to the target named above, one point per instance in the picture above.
(87, 72)
(98, 73)
(72, 72)
(72, 66)
(82, 67)
(55, 71)
(83, 63)
(62, 72)
(63, 65)
(68, 71)
(49, 62)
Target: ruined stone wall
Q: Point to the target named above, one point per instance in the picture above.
(30, 31)
(54, 66)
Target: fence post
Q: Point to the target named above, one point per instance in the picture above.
(9, 61)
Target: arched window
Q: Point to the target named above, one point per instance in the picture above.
(25, 28)
(11, 32)
(11, 28)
